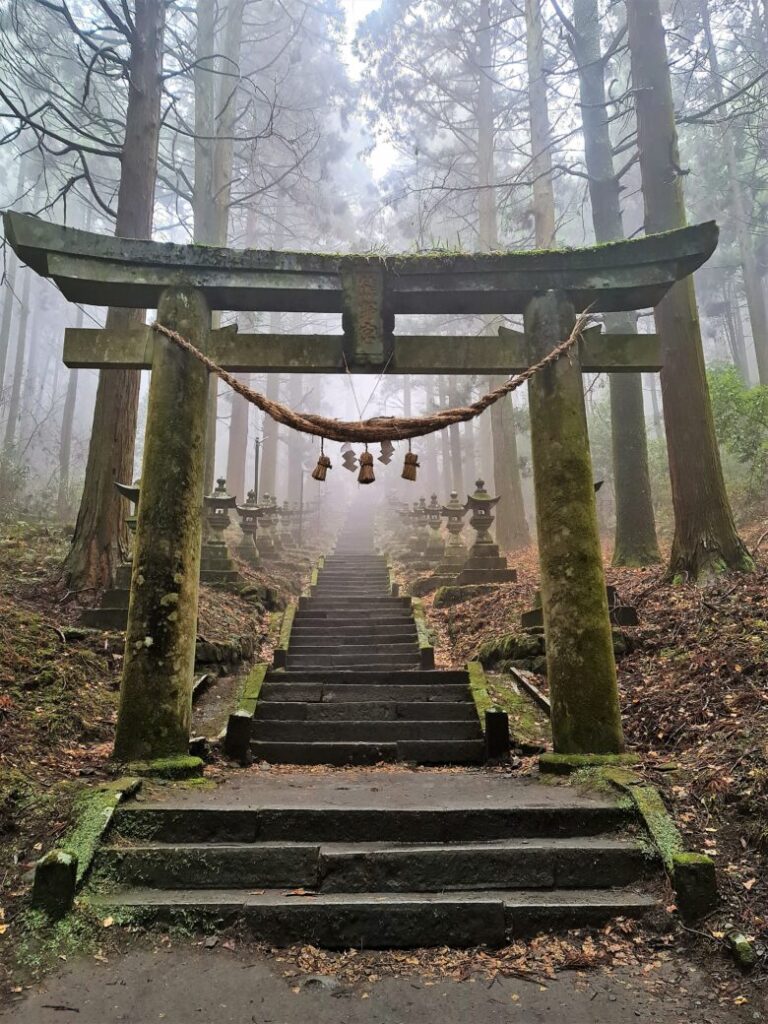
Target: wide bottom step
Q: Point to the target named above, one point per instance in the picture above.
(382, 920)
(419, 751)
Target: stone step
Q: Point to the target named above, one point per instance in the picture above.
(307, 617)
(428, 751)
(328, 693)
(116, 598)
(360, 644)
(361, 660)
(384, 601)
(592, 862)
(362, 731)
(105, 618)
(360, 711)
(381, 920)
(437, 677)
(341, 634)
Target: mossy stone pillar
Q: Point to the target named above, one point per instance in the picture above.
(156, 691)
(580, 665)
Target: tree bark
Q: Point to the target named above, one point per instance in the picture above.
(7, 317)
(14, 401)
(101, 536)
(705, 539)
(635, 540)
(541, 154)
(741, 211)
(511, 525)
(237, 448)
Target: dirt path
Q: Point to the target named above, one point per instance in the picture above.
(182, 985)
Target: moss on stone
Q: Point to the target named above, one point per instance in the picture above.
(479, 691)
(566, 764)
(580, 663)
(184, 766)
(695, 884)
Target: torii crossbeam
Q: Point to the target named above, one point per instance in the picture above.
(185, 282)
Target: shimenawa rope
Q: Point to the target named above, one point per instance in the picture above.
(378, 428)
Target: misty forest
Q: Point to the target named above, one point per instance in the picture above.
(384, 510)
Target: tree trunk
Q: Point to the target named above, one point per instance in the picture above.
(101, 536)
(635, 540)
(657, 426)
(511, 525)
(735, 331)
(237, 448)
(218, 56)
(705, 539)
(741, 211)
(268, 469)
(65, 447)
(541, 154)
(14, 401)
(457, 470)
(5, 323)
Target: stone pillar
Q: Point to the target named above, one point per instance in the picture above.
(580, 663)
(156, 691)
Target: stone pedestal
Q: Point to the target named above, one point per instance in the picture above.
(485, 563)
(112, 613)
(621, 614)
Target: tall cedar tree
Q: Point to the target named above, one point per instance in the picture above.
(100, 536)
(705, 539)
(635, 539)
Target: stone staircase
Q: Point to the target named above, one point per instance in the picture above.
(353, 690)
(370, 859)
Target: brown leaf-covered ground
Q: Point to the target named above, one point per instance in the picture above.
(58, 692)
(694, 703)
(695, 699)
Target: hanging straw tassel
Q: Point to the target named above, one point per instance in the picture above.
(365, 476)
(323, 464)
(321, 469)
(411, 464)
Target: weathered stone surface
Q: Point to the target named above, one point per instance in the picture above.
(133, 273)
(156, 692)
(580, 664)
(55, 883)
(695, 884)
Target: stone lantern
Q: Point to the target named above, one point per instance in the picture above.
(216, 566)
(455, 552)
(131, 492)
(435, 547)
(485, 564)
(112, 612)
(249, 513)
(265, 539)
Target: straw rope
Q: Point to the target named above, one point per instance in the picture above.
(379, 428)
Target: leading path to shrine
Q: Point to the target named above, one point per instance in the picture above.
(354, 689)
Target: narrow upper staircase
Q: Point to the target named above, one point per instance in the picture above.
(354, 689)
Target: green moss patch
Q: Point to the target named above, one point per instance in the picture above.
(566, 764)
(184, 766)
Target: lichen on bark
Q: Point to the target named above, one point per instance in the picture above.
(580, 661)
(156, 692)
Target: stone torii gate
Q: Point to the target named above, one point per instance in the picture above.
(185, 282)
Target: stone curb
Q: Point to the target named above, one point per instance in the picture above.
(61, 872)
(238, 734)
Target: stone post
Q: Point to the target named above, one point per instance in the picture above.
(580, 663)
(156, 691)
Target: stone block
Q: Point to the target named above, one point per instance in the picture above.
(695, 884)
(55, 883)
